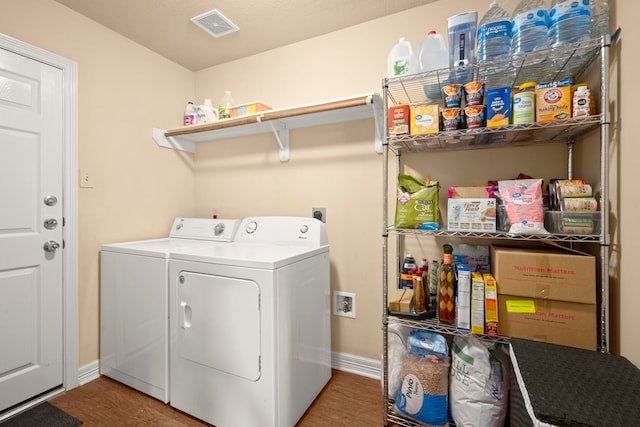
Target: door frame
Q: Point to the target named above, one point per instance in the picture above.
(70, 198)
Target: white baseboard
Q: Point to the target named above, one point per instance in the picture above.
(357, 365)
(88, 372)
(342, 361)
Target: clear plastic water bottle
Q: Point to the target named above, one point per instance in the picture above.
(569, 22)
(599, 18)
(224, 107)
(529, 25)
(494, 35)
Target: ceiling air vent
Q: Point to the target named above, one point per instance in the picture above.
(215, 23)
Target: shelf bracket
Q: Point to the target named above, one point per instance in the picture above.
(378, 117)
(171, 142)
(281, 132)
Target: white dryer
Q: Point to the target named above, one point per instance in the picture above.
(134, 302)
(250, 324)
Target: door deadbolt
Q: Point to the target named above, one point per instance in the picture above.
(50, 223)
(50, 200)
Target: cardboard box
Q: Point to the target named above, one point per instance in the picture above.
(490, 305)
(471, 214)
(498, 107)
(463, 297)
(399, 120)
(473, 192)
(425, 119)
(554, 274)
(477, 303)
(556, 322)
(250, 108)
(394, 300)
(406, 302)
(553, 101)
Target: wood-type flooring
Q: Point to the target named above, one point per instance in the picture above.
(347, 400)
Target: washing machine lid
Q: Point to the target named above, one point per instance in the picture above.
(250, 255)
(186, 234)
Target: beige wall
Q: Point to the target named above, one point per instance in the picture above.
(125, 90)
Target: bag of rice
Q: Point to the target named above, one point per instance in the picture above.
(423, 393)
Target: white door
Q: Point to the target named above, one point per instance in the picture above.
(31, 246)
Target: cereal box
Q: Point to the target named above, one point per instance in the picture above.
(498, 107)
(399, 120)
(553, 101)
(425, 119)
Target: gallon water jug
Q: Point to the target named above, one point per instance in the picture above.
(494, 35)
(529, 25)
(569, 22)
(402, 60)
(433, 55)
(599, 18)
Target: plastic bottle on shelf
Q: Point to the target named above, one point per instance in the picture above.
(402, 60)
(433, 55)
(529, 25)
(599, 18)
(206, 112)
(494, 35)
(406, 279)
(224, 108)
(569, 22)
(190, 114)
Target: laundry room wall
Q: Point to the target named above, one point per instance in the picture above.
(124, 90)
(335, 166)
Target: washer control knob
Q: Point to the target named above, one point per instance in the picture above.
(219, 229)
(252, 226)
(304, 228)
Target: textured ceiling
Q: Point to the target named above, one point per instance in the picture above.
(165, 26)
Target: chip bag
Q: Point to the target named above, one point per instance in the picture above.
(417, 203)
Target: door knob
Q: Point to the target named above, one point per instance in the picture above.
(51, 246)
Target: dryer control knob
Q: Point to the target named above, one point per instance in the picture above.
(304, 228)
(219, 229)
(252, 226)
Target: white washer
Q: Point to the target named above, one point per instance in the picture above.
(250, 324)
(134, 302)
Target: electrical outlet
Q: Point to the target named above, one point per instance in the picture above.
(319, 214)
(86, 179)
(344, 304)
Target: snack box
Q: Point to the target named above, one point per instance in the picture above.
(553, 101)
(425, 119)
(463, 297)
(250, 108)
(490, 305)
(498, 107)
(477, 303)
(399, 120)
(471, 214)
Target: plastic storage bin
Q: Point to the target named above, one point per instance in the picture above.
(572, 222)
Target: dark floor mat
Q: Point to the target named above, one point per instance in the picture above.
(567, 386)
(42, 415)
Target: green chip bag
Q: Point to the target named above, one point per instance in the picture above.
(417, 203)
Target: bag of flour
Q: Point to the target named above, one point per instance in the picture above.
(479, 383)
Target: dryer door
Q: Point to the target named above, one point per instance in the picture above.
(219, 323)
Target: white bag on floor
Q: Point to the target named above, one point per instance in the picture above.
(479, 383)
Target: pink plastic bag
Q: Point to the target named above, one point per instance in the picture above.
(523, 201)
